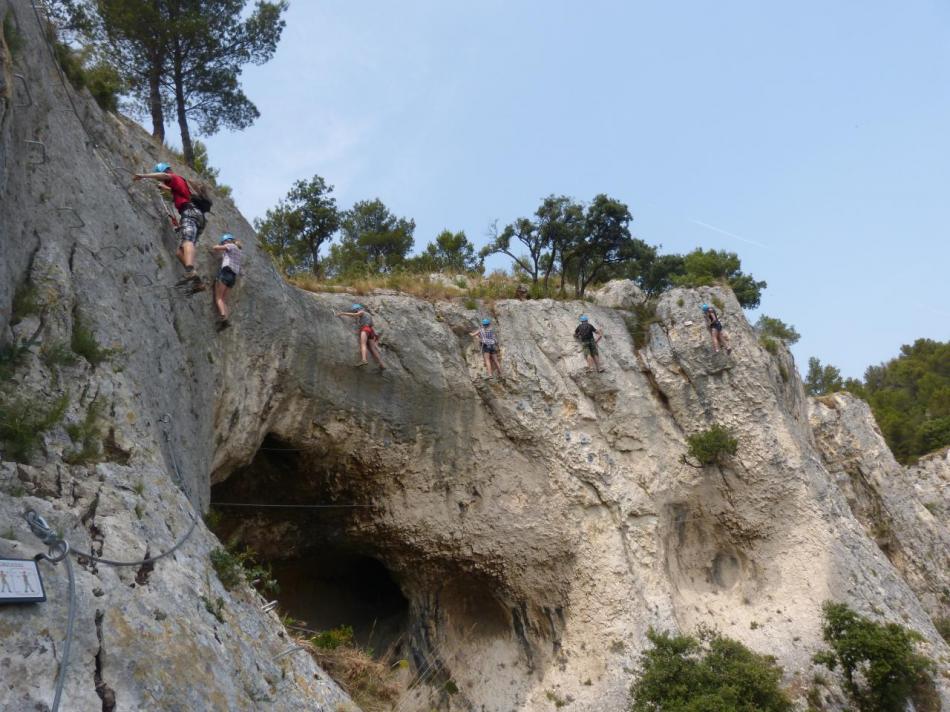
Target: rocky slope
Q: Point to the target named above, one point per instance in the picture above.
(536, 526)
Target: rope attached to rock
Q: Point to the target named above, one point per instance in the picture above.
(58, 551)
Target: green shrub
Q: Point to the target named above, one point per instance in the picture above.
(100, 78)
(88, 435)
(776, 329)
(334, 638)
(235, 567)
(85, 344)
(23, 423)
(11, 35)
(56, 354)
(708, 673)
(11, 357)
(769, 344)
(942, 624)
(711, 446)
(26, 302)
(644, 315)
(882, 670)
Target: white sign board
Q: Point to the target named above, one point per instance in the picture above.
(20, 581)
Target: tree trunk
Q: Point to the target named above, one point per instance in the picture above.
(155, 99)
(186, 147)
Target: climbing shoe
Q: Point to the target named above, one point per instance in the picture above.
(222, 325)
(188, 279)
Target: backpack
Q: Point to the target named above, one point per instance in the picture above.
(200, 197)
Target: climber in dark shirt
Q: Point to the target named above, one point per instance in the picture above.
(589, 336)
(715, 329)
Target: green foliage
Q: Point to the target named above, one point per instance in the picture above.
(707, 267)
(822, 380)
(711, 446)
(99, 77)
(84, 343)
(451, 252)
(372, 241)
(942, 624)
(769, 344)
(709, 673)
(776, 329)
(882, 670)
(203, 167)
(215, 608)
(11, 35)
(12, 357)
(334, 638)
(26, 302)
(56, 354)
(88, 435)
(644, 315)
(236, 566)
(213, 518)
(24, 421)
(293, 232)
(909, 396)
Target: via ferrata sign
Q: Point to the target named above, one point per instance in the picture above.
(20, 581)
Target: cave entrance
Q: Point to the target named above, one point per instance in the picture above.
(306, 517)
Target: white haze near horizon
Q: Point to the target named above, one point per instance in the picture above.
(811, 138)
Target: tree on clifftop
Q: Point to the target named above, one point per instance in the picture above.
(184, 56)
(293, 232)
(372, 240)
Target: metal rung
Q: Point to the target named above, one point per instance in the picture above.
(26, 86)
(267, 607)
(43, 148)
(289, 651)
(82, 223)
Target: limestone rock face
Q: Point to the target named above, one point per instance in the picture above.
(618, 294)
(538, 525)
(904, 510)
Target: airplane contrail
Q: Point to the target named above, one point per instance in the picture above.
(726, 232)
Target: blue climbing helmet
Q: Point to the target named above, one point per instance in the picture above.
(161, 167)
(705, 307)
(356, 307)
(225, 238)
(486, 322)
(583, 317)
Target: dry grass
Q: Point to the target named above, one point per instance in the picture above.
(371, 683)
(431, 287)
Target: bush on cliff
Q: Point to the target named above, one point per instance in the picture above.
(706, 673)
(882, 669)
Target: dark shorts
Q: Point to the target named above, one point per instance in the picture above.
(589, 347)
(486, 349)
(717, 325)
(227, 277)
(191, 224)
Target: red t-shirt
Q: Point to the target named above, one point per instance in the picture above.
(180, 192)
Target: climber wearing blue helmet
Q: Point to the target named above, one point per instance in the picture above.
(369, 339)
(489, 346)
(589, 336)
(229, 250)
(191, 206)
(715, 328)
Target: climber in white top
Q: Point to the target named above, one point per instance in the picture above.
(229, 250)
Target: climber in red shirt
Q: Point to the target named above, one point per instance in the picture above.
(191, 224)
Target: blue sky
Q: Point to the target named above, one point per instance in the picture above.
(810, 137)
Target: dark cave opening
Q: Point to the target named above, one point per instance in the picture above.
(306, 517)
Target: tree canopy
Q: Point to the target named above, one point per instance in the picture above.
(294, 231)
(372, 240)
(909, 396)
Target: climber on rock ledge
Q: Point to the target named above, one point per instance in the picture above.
(715, 329)
(588, 336)
(191, 206)
(489, 347)
(369, 340)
